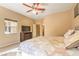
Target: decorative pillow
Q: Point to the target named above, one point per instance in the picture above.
(72, 41)
(69, 33)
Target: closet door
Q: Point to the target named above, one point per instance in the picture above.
(37, 30)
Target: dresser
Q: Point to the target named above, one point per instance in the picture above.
(25, 36)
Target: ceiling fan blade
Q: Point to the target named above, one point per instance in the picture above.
(34, 4)
(29, 10)
(34, 7)
(27, 5)
(40, 9)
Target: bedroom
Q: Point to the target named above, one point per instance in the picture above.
(52, 26)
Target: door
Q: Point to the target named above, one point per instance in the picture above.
(37, 30)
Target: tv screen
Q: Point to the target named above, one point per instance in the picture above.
(25, 28)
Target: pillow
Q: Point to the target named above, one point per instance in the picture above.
(69, 33)
(72, 41)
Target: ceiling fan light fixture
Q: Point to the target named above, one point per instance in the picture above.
(36, 12)
(36, 8)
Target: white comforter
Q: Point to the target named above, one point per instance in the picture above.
(44, 46)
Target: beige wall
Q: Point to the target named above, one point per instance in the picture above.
(58, 23)
(22, 20)
(39, 21)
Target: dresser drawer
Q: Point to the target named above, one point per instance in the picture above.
(25, 36)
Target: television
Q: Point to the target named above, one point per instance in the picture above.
(25, 28)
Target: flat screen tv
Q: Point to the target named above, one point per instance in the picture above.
(25, 28)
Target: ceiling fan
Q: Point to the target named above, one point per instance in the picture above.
(35, 7)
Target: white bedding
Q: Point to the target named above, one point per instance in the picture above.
(43, 46)
(36, 46)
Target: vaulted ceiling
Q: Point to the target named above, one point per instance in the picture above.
(50, 8)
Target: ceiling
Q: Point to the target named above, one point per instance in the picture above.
(50, 8)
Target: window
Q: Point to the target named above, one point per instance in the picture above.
(10, 26)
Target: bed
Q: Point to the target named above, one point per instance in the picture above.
(41, 45)
(52, 45)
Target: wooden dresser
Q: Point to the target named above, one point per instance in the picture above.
(25, 36)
